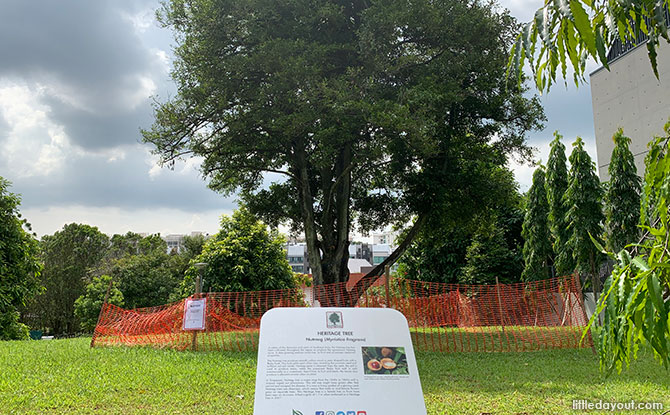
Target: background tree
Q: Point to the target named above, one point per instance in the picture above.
(193, 246)
(437, 256)
(145, 274)
(584, 215)
(537, 246)
(622, 200)
(566, 33)
(440, 251)
(69, 256)
(19, 265)
(636, 297)
(148, 280)
(365, 108)
(122, 245)
(242, 256)
(489, 256)
(87, 307)
(557, 185)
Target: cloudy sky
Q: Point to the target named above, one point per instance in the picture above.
(77, 79)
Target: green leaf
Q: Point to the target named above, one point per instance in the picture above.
(564, 8)
(640, 263)
(541, 25)
(651, 51)
(655, 291)
(598, 244)
(600, 46)
(571, 43)
(583, 25)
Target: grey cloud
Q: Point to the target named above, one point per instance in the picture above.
(99, 130)
(4, 129)
(96, 182)
(85, 51)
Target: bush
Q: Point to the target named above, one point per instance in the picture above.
(87, 307)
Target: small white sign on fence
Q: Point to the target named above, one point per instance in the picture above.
(194, 314)
(336, 361)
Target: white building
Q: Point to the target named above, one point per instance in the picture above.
(380, 252)
(297, 258)
(355, 265)
(384, 238)
(629, 96)
(175, 242)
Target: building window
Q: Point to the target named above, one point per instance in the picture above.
(378, 260)
(295, 260)
(298, 268)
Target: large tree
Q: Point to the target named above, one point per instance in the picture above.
(622, 201)
(366, 108)
(70, 257)
(557, 185)
(584, 213)
(19, 265)
(537, 246)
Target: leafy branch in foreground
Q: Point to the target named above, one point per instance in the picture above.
(636, 299)
(565, 33)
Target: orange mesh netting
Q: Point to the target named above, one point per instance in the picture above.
(442, 317)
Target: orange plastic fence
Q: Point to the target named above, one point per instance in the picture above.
(442, 317)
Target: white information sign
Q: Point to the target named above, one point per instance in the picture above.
(194, 314)
(336, 361)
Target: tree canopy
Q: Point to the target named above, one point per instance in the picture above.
(537, 246)
(557, 185)
(69, 256)
(242, 256)
(19, 265)
(367, 109)
(585, 218)
(87, 307)
(482, 243)
(622, 200)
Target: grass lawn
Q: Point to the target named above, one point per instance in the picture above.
(66, 376)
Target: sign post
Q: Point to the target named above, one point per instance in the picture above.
(196, 321)
(336, 361)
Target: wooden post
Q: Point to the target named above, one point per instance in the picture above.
(502, 318)
(198, 290)
(387, 278)
(109, 289)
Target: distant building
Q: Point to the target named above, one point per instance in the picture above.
(356, 264)
(629, 96)
(384, 238)
(362, 256)
(297, 258)
(361, 251)
(380, 252)
(175, 242)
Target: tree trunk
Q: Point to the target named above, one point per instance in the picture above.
(595, 280)
(366, 282)
(307, 207)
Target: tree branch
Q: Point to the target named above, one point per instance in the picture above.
(372, 276)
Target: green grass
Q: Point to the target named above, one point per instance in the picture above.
(437, 339)
(66, 376)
